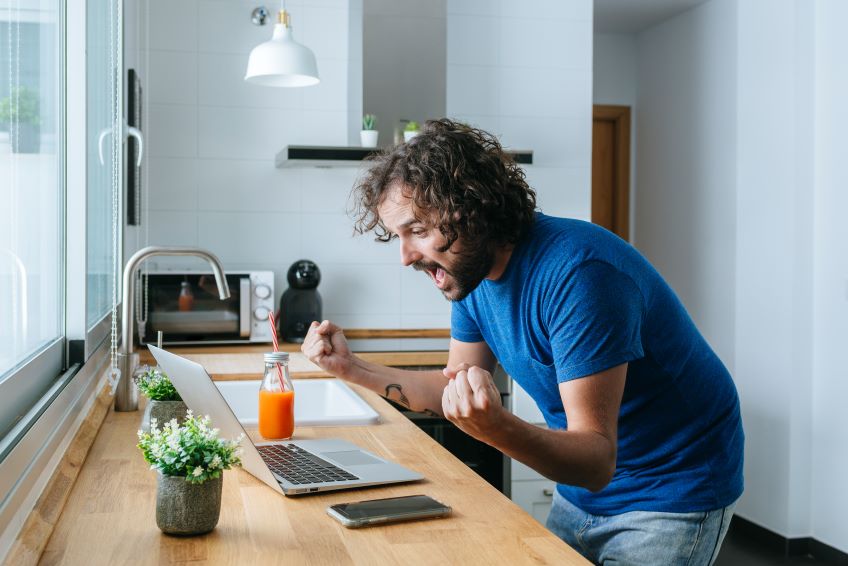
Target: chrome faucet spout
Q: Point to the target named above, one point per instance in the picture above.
(126, 396)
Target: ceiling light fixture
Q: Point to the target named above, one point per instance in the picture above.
(282, 61)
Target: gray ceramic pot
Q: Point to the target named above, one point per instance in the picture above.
(163, 411)
(184, 508)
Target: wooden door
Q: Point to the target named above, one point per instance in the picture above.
(611, 168)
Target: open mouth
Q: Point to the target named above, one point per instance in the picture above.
(435, 271)
(438, 275)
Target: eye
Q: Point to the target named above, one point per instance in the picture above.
(419, 232)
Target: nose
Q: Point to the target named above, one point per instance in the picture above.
(408, 253)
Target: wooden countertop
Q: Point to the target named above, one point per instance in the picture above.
(109, 517)
(245, 362)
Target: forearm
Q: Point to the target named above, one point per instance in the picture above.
(581, 458)
(419, 390)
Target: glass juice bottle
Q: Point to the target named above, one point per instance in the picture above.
(276, 398)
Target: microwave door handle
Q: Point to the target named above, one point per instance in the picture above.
(244, 307)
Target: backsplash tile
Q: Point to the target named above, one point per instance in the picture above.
(171, 130)
(172, 183)
(361, 289)
(221, 83)
(329, 238)
(172, 78)
(246, 237)
(247, 185)
(175, 24)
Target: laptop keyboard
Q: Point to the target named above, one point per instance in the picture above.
(299, 466)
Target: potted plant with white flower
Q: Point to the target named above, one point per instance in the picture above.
(164, 403)
(190, 459)
(369, 134)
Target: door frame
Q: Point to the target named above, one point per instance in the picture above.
(620, 118)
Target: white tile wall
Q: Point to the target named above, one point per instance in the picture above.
(235, 185)
(520, 70)
(172, 78)
(171, 130)
(172, 183)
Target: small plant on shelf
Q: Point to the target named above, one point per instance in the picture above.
(369, 134)
(369, 122)
(410, 130)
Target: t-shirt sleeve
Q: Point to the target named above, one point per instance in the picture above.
(594, 321)
(463, 326)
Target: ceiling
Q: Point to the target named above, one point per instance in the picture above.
(633, 16)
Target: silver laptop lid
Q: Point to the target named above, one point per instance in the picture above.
(200, 394)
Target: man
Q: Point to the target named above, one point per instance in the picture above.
(644, 434)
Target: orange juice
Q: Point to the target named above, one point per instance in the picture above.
(276, 414)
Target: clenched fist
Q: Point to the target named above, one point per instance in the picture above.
(326, 346)
(471, 401)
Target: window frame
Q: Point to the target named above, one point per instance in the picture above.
(72, 368)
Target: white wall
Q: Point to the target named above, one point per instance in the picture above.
(685, 208)
(773, 259)
(830, 386)
(210, 178)
(741, 206)
(614, 82)
(523, 70)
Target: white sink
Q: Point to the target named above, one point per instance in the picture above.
(317, 402)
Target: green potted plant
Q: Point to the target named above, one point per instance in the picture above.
(410, 130)
(164, 403)
(368, 135)
(190, 459)
(21, 111)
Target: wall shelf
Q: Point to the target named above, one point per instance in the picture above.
(340, 156)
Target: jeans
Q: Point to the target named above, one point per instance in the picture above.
(641, 537)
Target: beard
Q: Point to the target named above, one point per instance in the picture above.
(467, 272)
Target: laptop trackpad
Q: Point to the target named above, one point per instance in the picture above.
(351, 458)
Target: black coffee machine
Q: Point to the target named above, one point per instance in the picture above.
(301, 303)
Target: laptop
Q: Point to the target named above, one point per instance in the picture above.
(291, 467)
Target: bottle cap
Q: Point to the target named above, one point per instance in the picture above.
(276, 357)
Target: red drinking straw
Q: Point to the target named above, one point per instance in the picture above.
(276, 347)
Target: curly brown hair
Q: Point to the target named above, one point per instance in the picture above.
(457, 176)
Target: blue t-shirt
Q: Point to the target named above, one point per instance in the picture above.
(575, 300)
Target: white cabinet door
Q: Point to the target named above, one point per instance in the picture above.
(534, 496)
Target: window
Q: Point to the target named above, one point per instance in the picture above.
(31, 204)
(60, 68)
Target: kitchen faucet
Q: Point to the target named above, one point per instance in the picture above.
(126, 395)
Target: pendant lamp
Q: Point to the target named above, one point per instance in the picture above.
(282, 61)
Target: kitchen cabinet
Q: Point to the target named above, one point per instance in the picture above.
(529, 489)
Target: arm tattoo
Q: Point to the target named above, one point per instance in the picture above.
(402, 398)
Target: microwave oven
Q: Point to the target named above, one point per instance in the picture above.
(186, 307)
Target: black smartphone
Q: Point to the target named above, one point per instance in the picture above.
(391, 509)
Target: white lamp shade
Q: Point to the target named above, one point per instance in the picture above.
(282, 62)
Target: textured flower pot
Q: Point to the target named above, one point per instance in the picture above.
(368, 138)
(408, 135)
(184, 508)
(163, 411)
